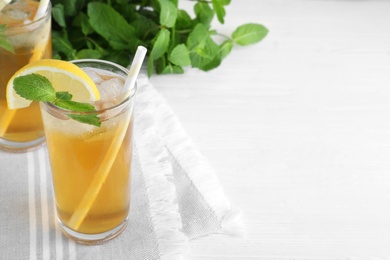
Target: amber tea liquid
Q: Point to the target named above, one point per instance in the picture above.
(74, 160)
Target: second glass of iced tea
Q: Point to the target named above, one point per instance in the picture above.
(91, 165)
(22, 129)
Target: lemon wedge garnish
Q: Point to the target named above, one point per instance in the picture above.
(63, 75)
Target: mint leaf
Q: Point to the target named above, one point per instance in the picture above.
(212, 64)
(64, 95)
(72, 7)
(203, 49)
(171, 69)
(34, 87)
(180, 56)
(249, 33)
(82, 21)
(3, 41)
(88, 54)
(74, 106)
(198, 37)
(108, 23)
(183, 20)
(62, 45)
(225, 48)
(220, 9)
(86, 119)
(143, 25)
(175, 2)
(168, 13)
(204, 13)
(150, 65)
(119, 57)
(58, 13)
(161, 44)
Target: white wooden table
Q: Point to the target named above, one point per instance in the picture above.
(297, 128)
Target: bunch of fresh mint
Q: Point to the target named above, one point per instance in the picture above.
(113, 29)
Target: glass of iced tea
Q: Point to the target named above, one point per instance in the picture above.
(22, 129)
(91, 165)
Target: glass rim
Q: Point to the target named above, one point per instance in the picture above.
(99, 111)
(45, 16)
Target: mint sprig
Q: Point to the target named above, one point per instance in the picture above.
(112, 30)
(4, 43)
(36, 87)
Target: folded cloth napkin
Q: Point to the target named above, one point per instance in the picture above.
(175, 196)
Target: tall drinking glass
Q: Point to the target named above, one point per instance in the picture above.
(91, 165)
(22, 129)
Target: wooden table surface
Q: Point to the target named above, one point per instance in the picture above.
(297, 129)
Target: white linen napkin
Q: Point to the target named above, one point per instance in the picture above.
(175, 196)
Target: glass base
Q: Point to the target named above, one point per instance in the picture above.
(21, 147)
(93, 239)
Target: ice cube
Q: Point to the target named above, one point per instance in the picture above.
(93, 75)
(15, 14)
(110, 89)
(101, 104)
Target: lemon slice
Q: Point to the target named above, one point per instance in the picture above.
(63, 75)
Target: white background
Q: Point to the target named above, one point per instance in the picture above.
(297, 128)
